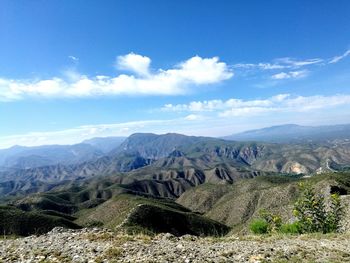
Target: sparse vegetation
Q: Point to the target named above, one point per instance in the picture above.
(290, 228)
(259, 226)
(267, 223)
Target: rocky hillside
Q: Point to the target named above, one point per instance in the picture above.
(96, 245)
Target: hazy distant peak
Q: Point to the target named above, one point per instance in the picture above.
(294, 133)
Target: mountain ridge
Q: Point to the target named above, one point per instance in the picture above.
(293, 133)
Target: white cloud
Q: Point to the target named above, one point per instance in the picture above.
(201, 71)
(175, 81)
(290, 75)
(135, 63)
(217, 105)
(281, 103)
(281, 75)
(338, 58)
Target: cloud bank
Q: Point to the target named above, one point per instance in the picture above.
(208, 118)
(140, 79)
(281, 103)
(195, 71)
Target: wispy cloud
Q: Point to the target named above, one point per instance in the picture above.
(178, 80)
(290, 75)
(262, 66)
(291, 63)
(294, 63)
(338, 58)
(289, 67)
(280, 63)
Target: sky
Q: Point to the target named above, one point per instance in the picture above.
(73, 70)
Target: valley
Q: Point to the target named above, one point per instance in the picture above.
(203, 185)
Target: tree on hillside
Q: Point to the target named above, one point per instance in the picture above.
(312, 213)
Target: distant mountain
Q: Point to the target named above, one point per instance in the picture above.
(153, 146)
(105, 144)
(292, 133)
(21, 157)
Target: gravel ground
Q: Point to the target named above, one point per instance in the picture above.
(98, 245)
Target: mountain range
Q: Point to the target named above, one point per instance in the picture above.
(171, 156)
(21, 157)
(143, 175)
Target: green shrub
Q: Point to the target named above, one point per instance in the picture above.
(259, 226)
(292, 228)
(273, 221)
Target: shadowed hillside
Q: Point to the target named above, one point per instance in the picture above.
(17, 222)
(140, 214)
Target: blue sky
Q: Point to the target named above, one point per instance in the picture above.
(72, 70)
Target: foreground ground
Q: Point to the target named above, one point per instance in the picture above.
(95, 245)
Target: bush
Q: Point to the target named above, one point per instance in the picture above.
(293, 228)
(273, 221)
(259, 226)
(266, 223)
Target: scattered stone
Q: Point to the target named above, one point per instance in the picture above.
(91, 245)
